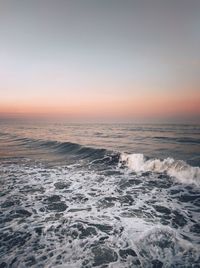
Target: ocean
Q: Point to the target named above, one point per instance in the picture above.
(99, 195)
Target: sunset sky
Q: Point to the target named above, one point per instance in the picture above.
(100, 59)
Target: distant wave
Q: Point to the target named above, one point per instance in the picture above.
(74, 150)
(174, 168)
(188, 140)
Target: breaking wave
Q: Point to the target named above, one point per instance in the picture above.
(177, 169)
(174, 168)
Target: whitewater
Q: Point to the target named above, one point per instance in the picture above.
(120, 195)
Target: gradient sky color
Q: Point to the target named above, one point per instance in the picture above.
(93, 59)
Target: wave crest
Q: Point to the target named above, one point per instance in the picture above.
(174, 168)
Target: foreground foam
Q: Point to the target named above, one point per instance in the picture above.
(164, 241)
(174, 168)
(60, 217)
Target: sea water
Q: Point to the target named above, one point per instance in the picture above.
(99, 195)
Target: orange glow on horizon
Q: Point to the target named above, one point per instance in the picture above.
(105, 105)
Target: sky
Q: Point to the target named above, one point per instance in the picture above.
(100, 59)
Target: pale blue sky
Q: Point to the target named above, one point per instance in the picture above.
(85, 46)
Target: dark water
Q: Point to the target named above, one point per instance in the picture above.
(75, 195)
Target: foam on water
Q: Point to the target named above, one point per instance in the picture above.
(174, 168)
(70, 216)
(64, 204)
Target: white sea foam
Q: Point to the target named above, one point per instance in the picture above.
(164, 241)
(102, 211)
(175, 168)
